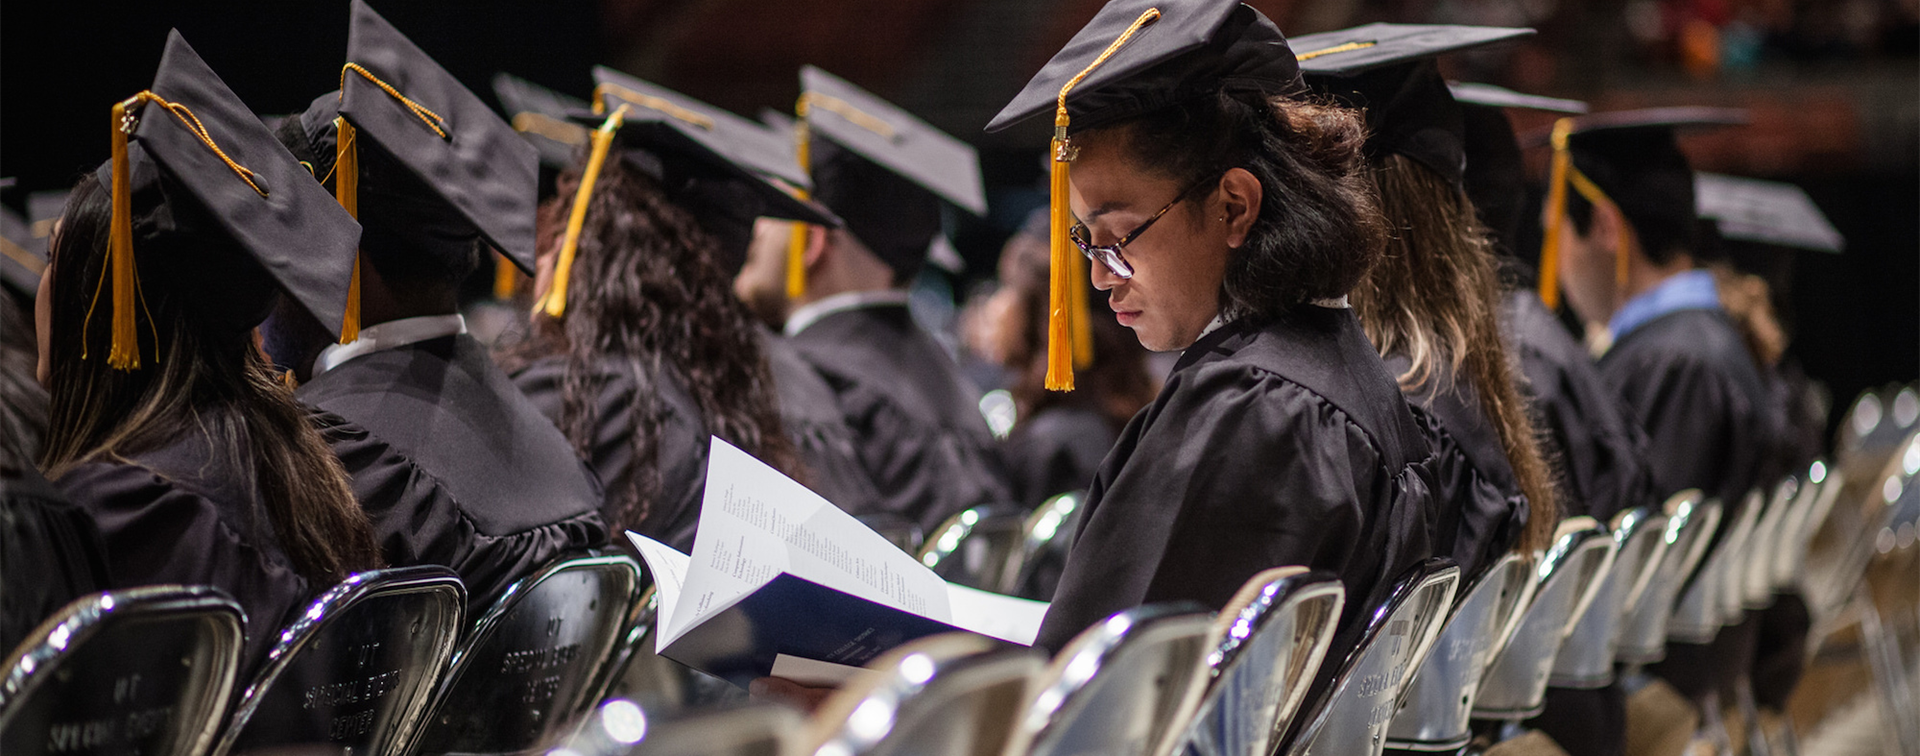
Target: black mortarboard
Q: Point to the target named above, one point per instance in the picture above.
(437, 167)
(1764, 212)
(882, 170)
(226, 229)
(1132, 58)
(1389, 71)
(22, 257)
(1496, 177)
(1628, 158)
(540, 115)
(1191, 47)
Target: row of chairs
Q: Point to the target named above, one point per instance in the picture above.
(383, 664)
(386, 663)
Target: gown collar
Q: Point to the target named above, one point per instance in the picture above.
(392, 334)
(852, 300)
(1691, 290)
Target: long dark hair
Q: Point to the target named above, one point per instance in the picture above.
(1435, 297)
(1116, 385)
(645, 294)
(207, 378)
(1318, 228)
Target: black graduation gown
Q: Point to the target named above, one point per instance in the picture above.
(188, 513)
(1599, 452)
(680, 450)
(811, 417)
(454, 465)
(1057, 450)
(1479, 511)
(1282, 444)
(50, 554)
(922, 439)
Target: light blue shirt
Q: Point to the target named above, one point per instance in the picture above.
(1692, 290)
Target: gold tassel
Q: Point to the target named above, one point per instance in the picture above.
(797, 244)
(1082, 318)
(505, 278)
(346, 189)
(123, 352)
(1066, 298)
(1556, 214)
(554, 304)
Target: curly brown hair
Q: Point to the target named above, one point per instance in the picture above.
(646, 293)
(1435, 297)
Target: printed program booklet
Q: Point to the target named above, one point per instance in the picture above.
(781, 582)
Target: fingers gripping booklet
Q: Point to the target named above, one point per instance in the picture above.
(782, 582)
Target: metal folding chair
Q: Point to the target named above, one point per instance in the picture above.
(1358, 707)
(956, 694)
(145, 670)
(1050, 532)
(982, 548)
(1585, 658)
(1435, 711)
(357, 670)
(1267, 645)
(1120, 688)
(620, 727)
(1767, 546)
(536, 661)
(1567, 579)
(1690, 524)
(1715, 596)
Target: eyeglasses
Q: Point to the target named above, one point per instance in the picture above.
(1109, 254)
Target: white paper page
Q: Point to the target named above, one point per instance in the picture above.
(669, 569)
(995, 615)
(756, 523)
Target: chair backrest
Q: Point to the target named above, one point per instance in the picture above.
(1705, 604)
(956, 694)
(1267, 645)
(357, 670)
(1568, 574)
(1434, 712)
(619, 727)
(1817, 494)
(531, 668)
(982, 548)
(1690, 524)
(1353, 717)
(1050, 530)
(144, 670)
(1877, 423)
(1118, 687)
(1585, 658)
(1764, 547)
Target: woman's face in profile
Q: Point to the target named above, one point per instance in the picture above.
(1177, 263)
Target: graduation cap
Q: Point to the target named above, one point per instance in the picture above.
(1135, 57)
(23, 258)
(881, 169)
(719, 166)
(541, 116)
(1496, 177)
(1629, 160)
(216, 207)
(1390, 72)
(424, 164)
(1764, 212)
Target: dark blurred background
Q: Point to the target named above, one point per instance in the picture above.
(1833, 87)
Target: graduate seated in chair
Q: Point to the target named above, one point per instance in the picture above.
(455, 466)
(1228, 216)
(841, 297)
(167, 423)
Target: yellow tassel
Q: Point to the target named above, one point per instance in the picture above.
(554, 304)
(1082, 318)
(346, 189)
(505, 278)
(1556, 214)
(797, 245)
(1060, 269)
(1067, 326)
(123, 352)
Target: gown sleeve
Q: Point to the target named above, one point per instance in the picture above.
(156, 532)
(1699, 433)
(417, 520)
(50, 554)
(1475, 518)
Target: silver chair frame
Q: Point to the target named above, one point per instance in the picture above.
(1690, 523)
(1569, 576)
(1063, 702)
(1256, 687)
(1585, 659)
(1435, 713)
